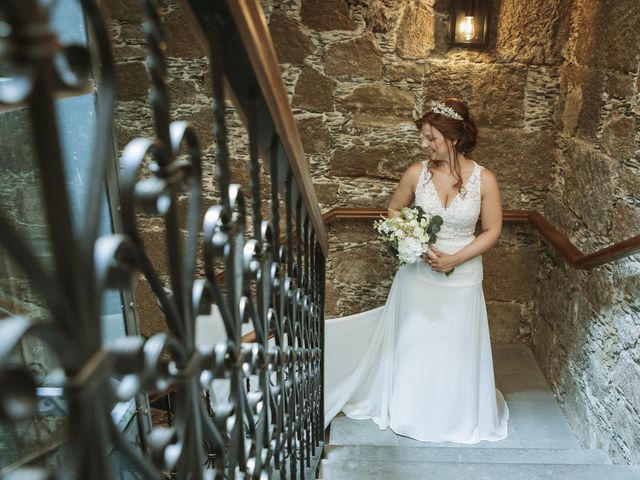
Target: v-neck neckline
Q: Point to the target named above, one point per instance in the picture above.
(463, 186)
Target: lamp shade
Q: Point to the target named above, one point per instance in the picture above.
(469, 23)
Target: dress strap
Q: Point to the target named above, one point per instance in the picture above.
(473, 184)
(425, 176)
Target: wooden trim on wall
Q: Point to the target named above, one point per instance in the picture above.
(550, 233)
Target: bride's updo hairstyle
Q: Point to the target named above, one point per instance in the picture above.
(464, 130)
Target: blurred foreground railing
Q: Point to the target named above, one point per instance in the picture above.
(274, 430)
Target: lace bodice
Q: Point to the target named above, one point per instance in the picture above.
(461, 216)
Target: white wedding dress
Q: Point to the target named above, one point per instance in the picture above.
(421, 364)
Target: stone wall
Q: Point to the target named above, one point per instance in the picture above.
(588, 322)
(359, 71)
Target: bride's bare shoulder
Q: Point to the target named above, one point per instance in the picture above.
(413, 171)
(488, 180)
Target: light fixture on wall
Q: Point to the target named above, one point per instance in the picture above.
(469, 23)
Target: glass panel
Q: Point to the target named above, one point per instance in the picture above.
(38, 441)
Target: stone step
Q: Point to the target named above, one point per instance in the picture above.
(357, 470)
(340, 453)
(535, 421)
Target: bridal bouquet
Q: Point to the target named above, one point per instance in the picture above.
(409, 234)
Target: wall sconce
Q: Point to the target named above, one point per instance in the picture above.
(469, 23)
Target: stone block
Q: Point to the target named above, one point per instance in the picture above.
(504, 321)
(630, 181)
(314, 135)
(358, 266)
(510, 274)
(620, 86)
(416, 32)
(359, 57)
(331, 296)
(327, 194)
(625, 222)
(580, 103)
(16, 149)
(353, 231)
(526, 167)
(181, 42)
(152, 233)
(624, 427)
(182, 92)
(608, 35)
(202, 120)
(619, 136)
(132, 81)
(378, 99)
(382, 17)
(589, 187)
(494, 93)
(313, 91)
(387, 161)
(405, 71)
(598, 290)
(324, 15)
(126, 11)
(532, 32)
(291, 44)
(150, 316)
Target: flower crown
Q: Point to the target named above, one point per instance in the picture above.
(442, 109)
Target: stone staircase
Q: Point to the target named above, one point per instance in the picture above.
(540, 445)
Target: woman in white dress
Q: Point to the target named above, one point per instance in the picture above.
(421, 364)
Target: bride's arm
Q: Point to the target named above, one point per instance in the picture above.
(405, 191)
(490, 218)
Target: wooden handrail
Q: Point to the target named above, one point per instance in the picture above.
(256, 41)
(550, 233)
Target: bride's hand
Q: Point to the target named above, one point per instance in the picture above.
(440, 261)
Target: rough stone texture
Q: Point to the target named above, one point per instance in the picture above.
(590, 185)
(625, 221)
(525, 168)
(416, 37)
(508, 273)
(387, 162)
(382, 17)
(357, 269)
(378, 99)
(125, 11)
(314, 135)
(325, 15)
(405, 71)
(608, 35)
(357, 58)
(131, 79)
(494, 92)
(291, 44)
(587, 322)
(619, 136)
(314, 91)
(532, 32)
(181, 42)
(580, 101)
(504, 321)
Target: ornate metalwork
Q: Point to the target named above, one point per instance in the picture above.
(274, 430)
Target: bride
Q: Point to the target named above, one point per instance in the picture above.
(421, 364)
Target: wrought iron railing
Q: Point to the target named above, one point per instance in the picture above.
(272, 430)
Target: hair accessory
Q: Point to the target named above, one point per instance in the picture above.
(442, 109)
